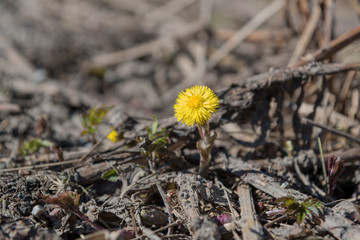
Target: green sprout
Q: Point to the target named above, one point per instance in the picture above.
(92, 119)
(111, 175)
(33, 146)
(155, 140)
(310, 208)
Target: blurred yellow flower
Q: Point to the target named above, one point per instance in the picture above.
(113, 136)
(196, 105)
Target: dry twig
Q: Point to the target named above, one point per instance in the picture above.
(307, 34)
(144, 49)
(333, 47)
(241, 35)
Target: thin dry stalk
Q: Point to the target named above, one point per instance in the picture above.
(241, 35)
(144, 49)
(306, 35)
(333, 47)
(330, 129)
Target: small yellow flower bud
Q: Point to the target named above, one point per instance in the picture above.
(113, 136)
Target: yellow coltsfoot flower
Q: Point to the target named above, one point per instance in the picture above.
(113, 136)
(196, 105)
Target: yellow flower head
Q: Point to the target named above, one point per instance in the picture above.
(113, 136)
(195, 105)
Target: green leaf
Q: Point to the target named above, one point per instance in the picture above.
(155, 125)
(310, 208)
(155, 140)
(92, 130)
(46, 143)
(33, 146)
(94, 117)
(161, 141)
(293, 206)
(84, 132)
(111, 175)
(300, 217)
(150, 135)
(286, 201)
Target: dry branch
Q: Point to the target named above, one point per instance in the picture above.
(294, 74)
(333, 47)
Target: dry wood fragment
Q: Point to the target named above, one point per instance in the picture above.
(348, 209)
(251, 227)
(205, 229)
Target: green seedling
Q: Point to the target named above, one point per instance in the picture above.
(92, 119)
(155, 140)
(310, 208)
(33, 146)
(112, 175)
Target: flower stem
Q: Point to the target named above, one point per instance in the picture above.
(204, 146)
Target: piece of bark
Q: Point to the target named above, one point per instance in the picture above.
(205, 229)
(348, 209)
(251, 227)
(191, 189)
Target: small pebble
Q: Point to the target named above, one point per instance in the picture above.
(37, 211)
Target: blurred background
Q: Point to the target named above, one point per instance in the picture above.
(62, 57)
